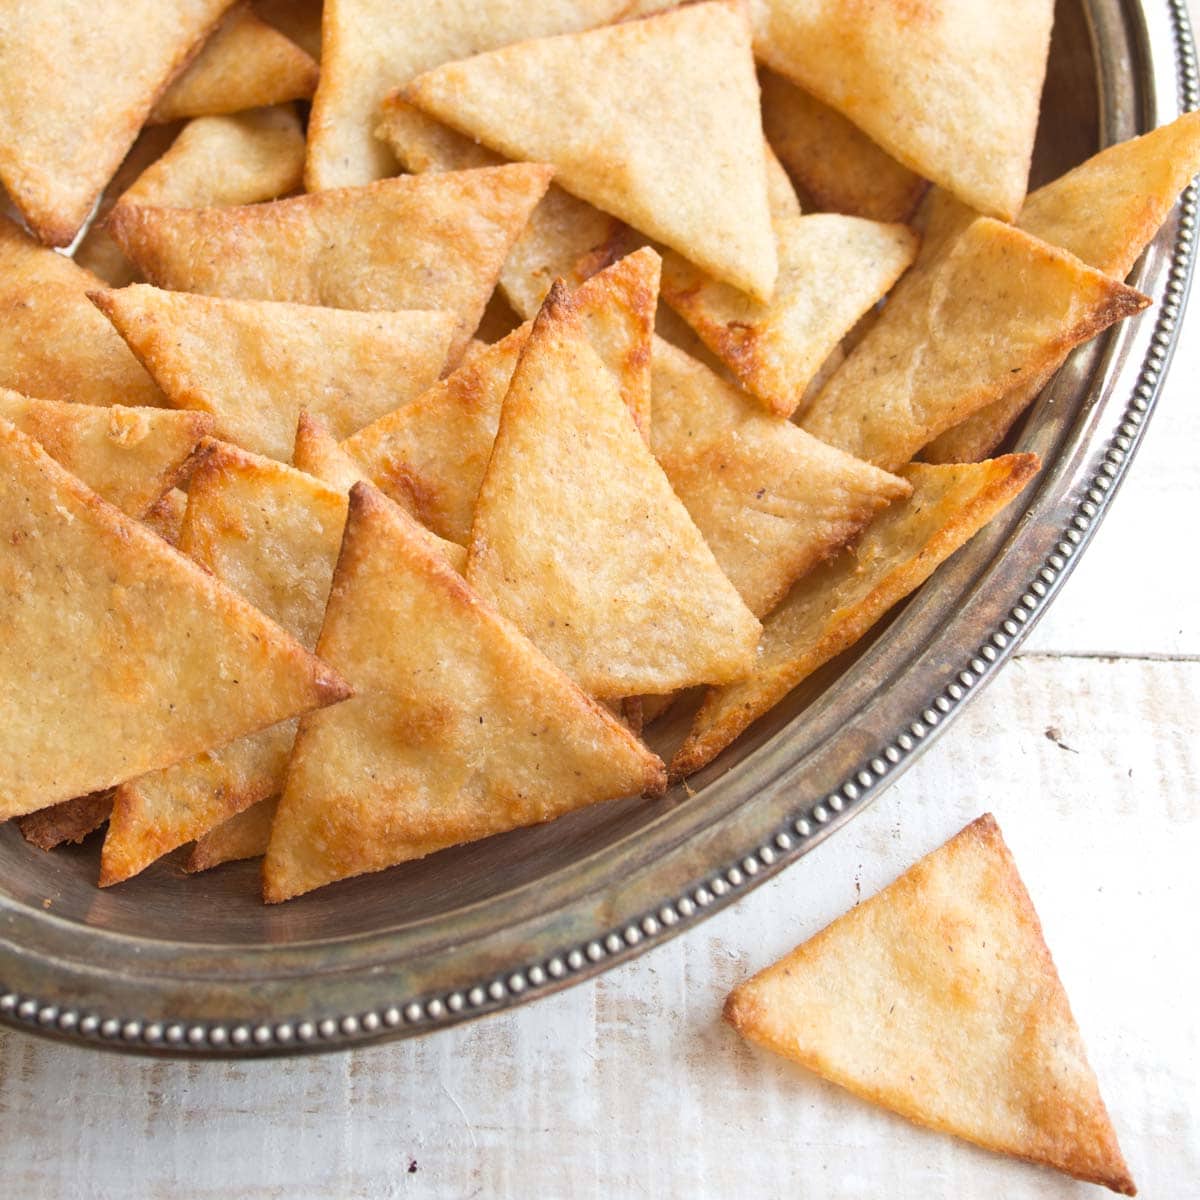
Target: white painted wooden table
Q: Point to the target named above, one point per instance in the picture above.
(1085, 748)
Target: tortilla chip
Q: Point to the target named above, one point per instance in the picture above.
(655, 121)
(299, 20)
(370, 47)
(155, 813)
(214, 161)
(245, 64)
(272, 534)
(318, 453)
(68, 822)
(1106, 211)
(579, 539)
(443, 685)
(254, 364)
(775, 349)
(77, 81)
(836, 164)
(835, 605)
(421, 241)
(966, 77)
(560, 231)
(938, 999)
(771, 501)
(244, 836)
(782, 198)
(53, 343)
(163, 662)
(430, 456)
(165, 516)
(999, 305)
(129, 456)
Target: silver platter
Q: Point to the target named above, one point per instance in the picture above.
(174, 965)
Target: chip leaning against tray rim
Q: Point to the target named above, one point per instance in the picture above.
(146, 968)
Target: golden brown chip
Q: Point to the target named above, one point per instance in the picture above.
(950, 90)
(128, 456)
(165, 517)
(53, 342)
(243, 836)
(1106, 211)
(579, 539)
(833, 606)
(770, 500)
(655, 121)
(214, 161)
(272, 534)
(459, 728)
(422, 241)
(163, 662)
(561, 229)
(68, 822)
(77, 81)
(247, 63)
(938, 999)
(1108, 208)
(832, 269)
(430, 456)
(298, 19)
(318, 453)
(255, 364)
(835, 163)
(369, 47)
(1000, 304)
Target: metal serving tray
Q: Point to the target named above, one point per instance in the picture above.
(179, 965)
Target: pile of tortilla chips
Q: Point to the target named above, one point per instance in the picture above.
(311, 549)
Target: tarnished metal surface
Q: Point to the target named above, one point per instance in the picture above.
(185, 965)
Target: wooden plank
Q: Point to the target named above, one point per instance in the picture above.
(630, 1086)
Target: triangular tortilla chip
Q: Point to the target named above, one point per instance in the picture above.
(421, 241)
(1108, 208)
(299, 20)
(430, 456)
(938, 999)
(998, 305)
(53, 342)
(254, 364)
(775, 349)
(579, 539)
(68, 822)
(214, 162)
(835, 605)
(1106, 211)
(129, 456)
(835, 163)
(370, 47)
(162, 661)
(245, 64)
(966, 77)
(655, 121)
(318, 453)
(561, 229)
(770, 500)
(272, 534)
(76, 84)
(245, 836)
(459, 728)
